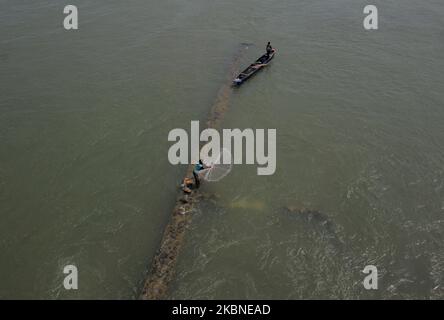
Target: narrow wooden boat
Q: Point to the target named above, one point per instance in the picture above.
(254, 68)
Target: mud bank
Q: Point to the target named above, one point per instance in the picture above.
(164, 263)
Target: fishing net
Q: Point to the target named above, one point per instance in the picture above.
(218, 169)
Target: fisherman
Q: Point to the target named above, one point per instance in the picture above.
(269, 49)
(197, 168)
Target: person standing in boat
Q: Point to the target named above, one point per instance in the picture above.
(269, 49)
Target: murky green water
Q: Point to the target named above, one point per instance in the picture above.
(84, 175)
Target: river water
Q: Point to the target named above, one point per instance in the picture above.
(84, 173)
